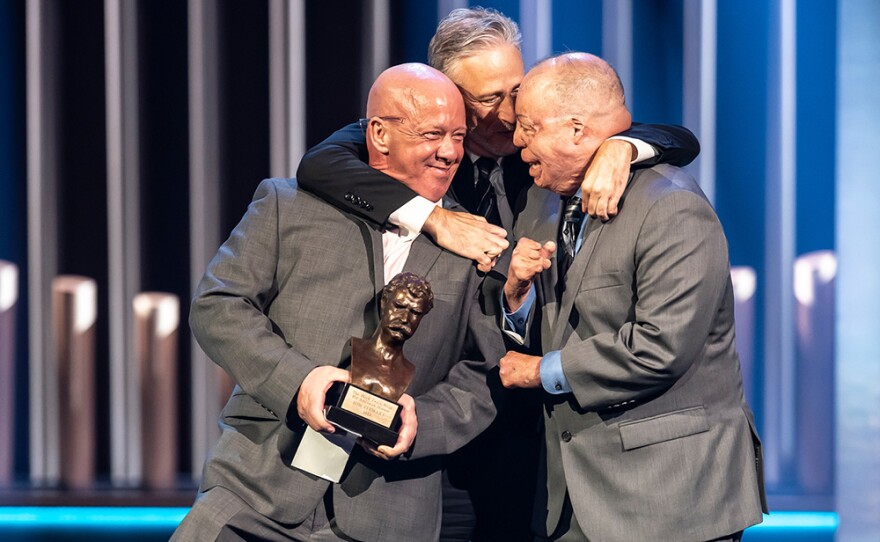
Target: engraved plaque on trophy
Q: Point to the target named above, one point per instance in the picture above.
(380, 373)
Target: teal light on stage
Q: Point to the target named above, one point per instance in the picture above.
(795, 520)
(794, 527)
(91, 517)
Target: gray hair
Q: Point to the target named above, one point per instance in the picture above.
(468, 30)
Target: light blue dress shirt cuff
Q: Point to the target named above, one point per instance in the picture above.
(515, 322)
(552, 377)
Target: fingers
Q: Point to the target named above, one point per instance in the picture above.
(547, 249)
(520, 370)
(310, 397)
(530, 258)
(406, 436)
(606, 178)
(598, 207)
(467, 235)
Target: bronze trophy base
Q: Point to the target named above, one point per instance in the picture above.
(363, 413)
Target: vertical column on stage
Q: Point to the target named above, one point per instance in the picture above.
(207, 380)
(42, 225)
(617, 41)
(700, 77)
(74, 312)
(780, 394)
(156, 320)
(8, 299)
(814, 283)
(745, 284)
(124, 224)
(536, 23)
(858, 283)
(376, 43)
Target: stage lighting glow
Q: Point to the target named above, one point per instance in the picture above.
(8, 285)
(810, 270)
(745, 282)
(92, 517)
(167, 307)
(800, 520)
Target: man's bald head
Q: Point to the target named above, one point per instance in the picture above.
(416, 128)
(405, 87)
(567, 106)
(580, 82)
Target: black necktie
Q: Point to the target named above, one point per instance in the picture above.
(572, 218)
(487, 204)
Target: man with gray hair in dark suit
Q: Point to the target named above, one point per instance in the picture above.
(276, 308)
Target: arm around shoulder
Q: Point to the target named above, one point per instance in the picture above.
(336, 171)
(675, 145)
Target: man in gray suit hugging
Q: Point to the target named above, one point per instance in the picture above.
(647, 434)
(298, 278)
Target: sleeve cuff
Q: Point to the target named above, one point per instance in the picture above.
(412, 215)
(552, 378)
(515, 322)
(644, 151)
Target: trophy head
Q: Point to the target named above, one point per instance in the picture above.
(405, 300)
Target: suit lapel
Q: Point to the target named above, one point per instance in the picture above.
(539, 221)
(462, 187)
(373, 242)
(577, 271)
(574, 278)
(422, 255)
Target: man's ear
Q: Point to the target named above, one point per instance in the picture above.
(378, 134)
(579, 130)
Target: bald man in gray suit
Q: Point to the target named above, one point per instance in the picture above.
(647, 434)
(276, 308)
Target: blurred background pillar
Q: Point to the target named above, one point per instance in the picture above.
(8, 300)
(858, 281)
(780, 213)
(745, 285)
(121, 62)
(156, 320)
(814, 282)
(287, 92)
(74, 312)
(700, 78)
(43, 133)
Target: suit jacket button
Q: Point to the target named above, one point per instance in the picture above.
(566, 436)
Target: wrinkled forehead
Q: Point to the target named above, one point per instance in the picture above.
(537, 99)
(415, 99)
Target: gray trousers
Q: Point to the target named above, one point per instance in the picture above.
(569, 530)
(221, 516)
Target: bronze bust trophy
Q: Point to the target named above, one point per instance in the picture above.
(380, 373)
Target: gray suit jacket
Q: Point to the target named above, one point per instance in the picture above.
(294, 281)
(655, 442)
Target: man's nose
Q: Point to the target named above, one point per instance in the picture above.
(448, 149)
(506, 110)
(518, 138)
